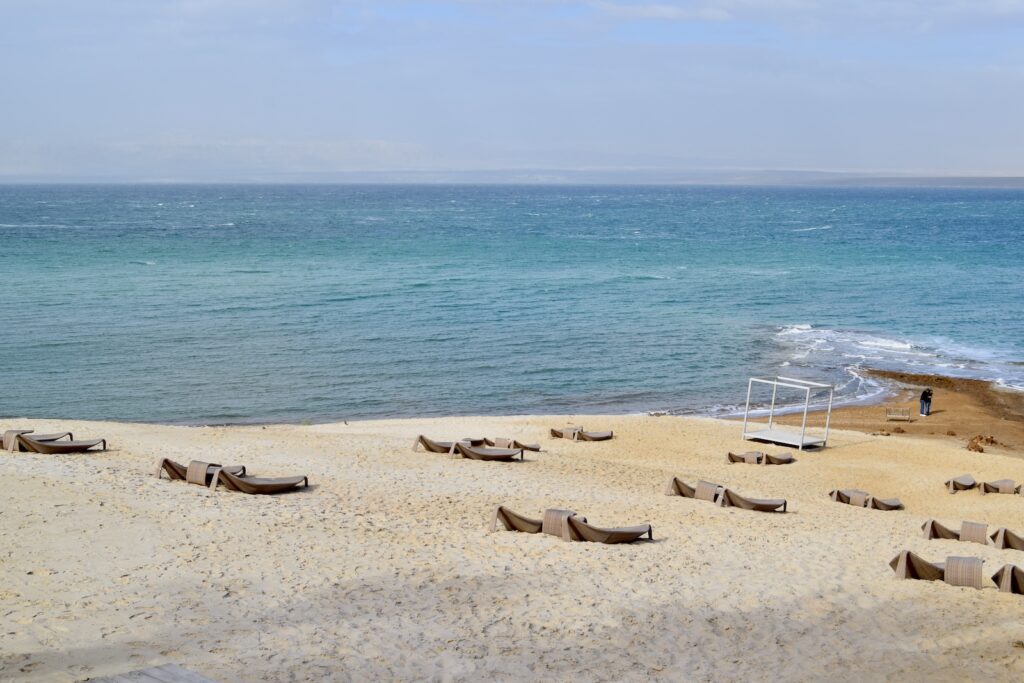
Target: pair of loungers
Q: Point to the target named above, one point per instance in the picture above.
(956, 571)
(722, 496)
(966, 482)
(15, 440)
(577, 434)
(974, 532)
(568, 526)
(758, 458)
(474, 449)
(233, 478)
(863, 499)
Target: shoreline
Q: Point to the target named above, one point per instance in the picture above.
(999, 403)
(961, 410)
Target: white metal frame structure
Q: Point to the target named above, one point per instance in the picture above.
(781, 436)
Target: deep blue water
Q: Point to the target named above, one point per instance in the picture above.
(257, 303)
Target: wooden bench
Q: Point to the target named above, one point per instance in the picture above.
(898, 414)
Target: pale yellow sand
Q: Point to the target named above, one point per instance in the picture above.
(385, 569)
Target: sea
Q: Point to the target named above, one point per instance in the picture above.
(222, 304)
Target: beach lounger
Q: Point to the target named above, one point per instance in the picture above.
(197, 472)
(10, 439)
(511, 443)
(256, 485)
(513, 521)
(859, 498)
(956, 571)
(678, 487)
(1000, 486)
(757, 458)
(970, 532)
(885, 504)
(704, 490)
(964, 482)
(575, 528)
(488, 454)
(577, 434)
(59, 447)
(908, 565)
(854, 497)
(937, 530)
(1004, 538)
(1010, 579)
(593, 436)
(729, 498)
(432, 446)
(750, 458)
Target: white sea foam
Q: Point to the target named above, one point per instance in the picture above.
(840, 355)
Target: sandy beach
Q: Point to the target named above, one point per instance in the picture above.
(962, 409)
(385, 568)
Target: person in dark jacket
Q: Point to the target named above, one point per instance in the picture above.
(926, 402)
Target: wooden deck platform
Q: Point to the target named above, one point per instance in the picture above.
(784, 438)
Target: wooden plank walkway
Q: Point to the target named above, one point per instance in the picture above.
(168, 673)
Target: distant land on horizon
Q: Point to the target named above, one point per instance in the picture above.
(554, 177)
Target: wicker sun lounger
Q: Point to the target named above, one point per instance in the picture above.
(757, 458)
(704, 490)
(11, 443)
(964, 482)
(970, 532)
(432, 446)
(678, 487)
(854, 497)
(498, 442)
(489, 454)
(885, 504)
(59, 447)
(197, 472)
(729, 498)
(1010, 579)
(859, 498)
(1004, 538)
(937, 530)
(575, 528)
(577, 434)
(956, 571)
(908, 565)
(1000, 486)
(257, 485)
(513, 521)
(749, 458)
(593, 436)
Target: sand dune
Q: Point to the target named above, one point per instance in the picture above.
(384, 567)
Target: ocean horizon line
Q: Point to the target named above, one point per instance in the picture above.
(555, 177)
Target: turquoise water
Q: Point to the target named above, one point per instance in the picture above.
(210, 304)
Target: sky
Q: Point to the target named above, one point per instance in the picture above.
(279, 89)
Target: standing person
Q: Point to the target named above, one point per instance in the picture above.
(926, 402)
